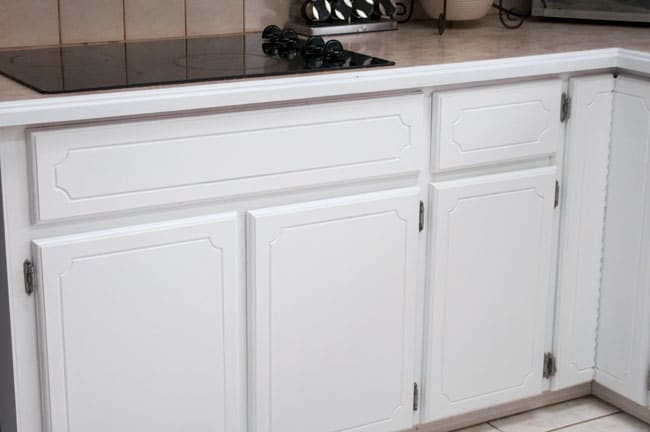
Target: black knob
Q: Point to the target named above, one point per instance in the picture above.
(333, 50)
(385, 8)
(342, 9)
(363, 8)
(316, 10)
(288, 39)
(271, 32)
(314, 46)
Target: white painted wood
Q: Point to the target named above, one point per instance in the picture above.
(138, 328)
(332, 300)
(488, 279)
(84, 170)
(479, 126)
(623, 358)
(583, 213)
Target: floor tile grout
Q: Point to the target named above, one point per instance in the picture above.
(583, 421)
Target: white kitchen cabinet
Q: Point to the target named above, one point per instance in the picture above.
(139, 328)
(489, 265)
(623, 359)
(87, 169)
(492, 124)
(332, 325)
(583, 214)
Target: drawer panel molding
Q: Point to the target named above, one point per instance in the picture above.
(86, 170)
(496, 124)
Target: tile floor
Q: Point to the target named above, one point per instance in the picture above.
(581, 415)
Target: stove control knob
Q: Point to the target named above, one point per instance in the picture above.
(342, 10)
(314, 46)
(271, 32)
(288, 39)
(385, 8)
(333, 50)
(363, 8)
(317, 10)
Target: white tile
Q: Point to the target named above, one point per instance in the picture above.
(555, 416)
(613, 423)
(211, 17)
(480, 428)
(91, 20)
(28, 23)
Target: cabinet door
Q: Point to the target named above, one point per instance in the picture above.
(139, 328)
(623, 357)
(332, 295)
(489, 279)
(583, 215)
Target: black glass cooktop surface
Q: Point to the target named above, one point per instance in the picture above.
(131, 64)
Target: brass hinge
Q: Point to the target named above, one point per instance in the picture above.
(416, 397)
(28, 273)
(421, 216)
(565, 108)
(550, 366)
(556, 201)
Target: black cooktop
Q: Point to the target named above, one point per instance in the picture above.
(131, 64)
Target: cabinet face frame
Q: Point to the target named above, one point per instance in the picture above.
(446, 197)
(204, 238)
(396, 212)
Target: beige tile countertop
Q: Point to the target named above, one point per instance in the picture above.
(418, 44)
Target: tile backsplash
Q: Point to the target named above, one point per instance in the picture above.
(26, 23)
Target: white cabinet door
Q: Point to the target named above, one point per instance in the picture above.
(623, 358)
(489, 280)
(139, 329)
(583, 215)
(332, 314)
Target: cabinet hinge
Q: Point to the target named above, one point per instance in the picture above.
(416, 397)
(421, 216)
(556, 201)
(550, 365)
(28, 273)
(648, 383)
(565, 108)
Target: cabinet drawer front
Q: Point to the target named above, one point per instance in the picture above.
(119, 166)
(139, 328)
(333, 299)
(496, 124)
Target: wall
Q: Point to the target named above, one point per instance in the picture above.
(25, 23)
(51, 22)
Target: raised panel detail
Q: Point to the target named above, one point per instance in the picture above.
(139, 329)
(583, 215)
(624, 315)
(489, 280)
(84, 170)
(479, 126)
(332, 332)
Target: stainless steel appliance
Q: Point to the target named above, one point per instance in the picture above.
(606, 10)
(333, 17)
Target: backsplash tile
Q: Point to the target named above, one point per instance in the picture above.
(208, 17)
(91, 20)
(149, 19)
(260, 13)
(28, 22)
